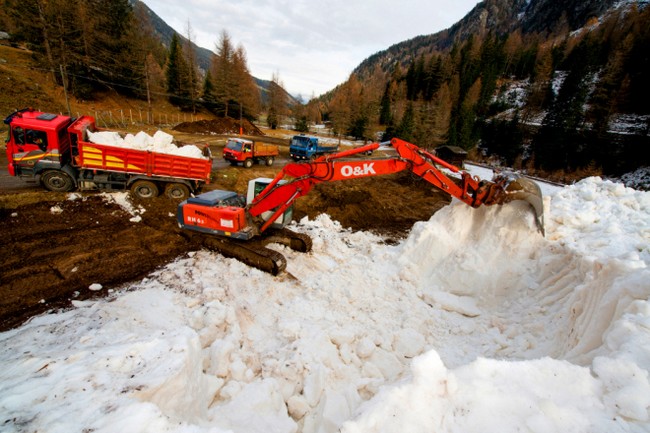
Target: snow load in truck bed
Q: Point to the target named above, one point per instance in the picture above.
(161, 142)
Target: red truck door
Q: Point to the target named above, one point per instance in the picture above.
(33, 143)
(25, 147)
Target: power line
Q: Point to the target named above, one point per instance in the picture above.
(105, 82)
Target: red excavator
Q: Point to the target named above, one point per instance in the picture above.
(243, 226)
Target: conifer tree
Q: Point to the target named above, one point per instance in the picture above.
(176, 74)
(223, 72)
(190, 59)
(558, 142)
(277, 102)
(433, 77)
(385, 111)
(406, 128)
(207, 95)
(246, 92)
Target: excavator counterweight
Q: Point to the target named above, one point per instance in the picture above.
(241, 227)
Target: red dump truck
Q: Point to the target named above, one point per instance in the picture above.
(248, 152)
(54, 150)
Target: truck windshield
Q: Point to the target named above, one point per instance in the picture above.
(300, 141)
(234, 145)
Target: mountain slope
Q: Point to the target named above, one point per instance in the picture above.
(496, 16)
(165, 32)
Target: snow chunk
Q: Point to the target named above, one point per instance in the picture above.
(160, 142)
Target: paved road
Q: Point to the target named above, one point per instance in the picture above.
(11, 184)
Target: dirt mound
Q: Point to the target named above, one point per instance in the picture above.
(386, 205)
(220, 126)
(54, 250)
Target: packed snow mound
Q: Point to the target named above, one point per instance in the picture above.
(475, 323)
(160, 142)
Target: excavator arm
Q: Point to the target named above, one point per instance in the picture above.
(470, 190)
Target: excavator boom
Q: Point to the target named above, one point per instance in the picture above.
(472, 191)
(267, 210)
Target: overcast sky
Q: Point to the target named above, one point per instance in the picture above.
(313, 45)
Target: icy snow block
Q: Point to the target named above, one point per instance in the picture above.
(212, 198)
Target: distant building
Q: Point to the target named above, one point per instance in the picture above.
(452, 154)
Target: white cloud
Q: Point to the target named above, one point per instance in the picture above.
(314, 46)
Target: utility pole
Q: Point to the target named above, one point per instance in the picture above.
(241, 124)
(146, 77)
(65, 90)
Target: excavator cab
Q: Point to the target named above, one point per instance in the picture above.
(255, 187)
(224, 213)
(234, 232)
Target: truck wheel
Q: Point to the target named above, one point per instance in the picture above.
(58, 181)
(269, 161)
(177, 191)
(248, 163)
(144, 189)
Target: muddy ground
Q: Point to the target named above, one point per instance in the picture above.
(54, 247)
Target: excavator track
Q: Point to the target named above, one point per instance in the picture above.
(296, 241)
(255, 253)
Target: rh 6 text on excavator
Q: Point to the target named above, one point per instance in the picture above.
(241, 226)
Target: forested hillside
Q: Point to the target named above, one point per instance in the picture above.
(553, 86)
(92, 46)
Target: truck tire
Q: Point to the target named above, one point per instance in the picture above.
(59, 181)
(269, 161)
(144, 189)
(248, 163)
(177, 191)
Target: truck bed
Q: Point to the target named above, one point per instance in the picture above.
(113, 158)
(265, 150)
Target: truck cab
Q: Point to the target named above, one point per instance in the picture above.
(36, 142)
(302, 147)
(307, 148)
(236, 148)
(247, 152)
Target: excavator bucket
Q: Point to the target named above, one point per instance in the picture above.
(518, 187)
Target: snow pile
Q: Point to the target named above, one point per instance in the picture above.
(123, 199)
(161, 142)
(475, 323)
